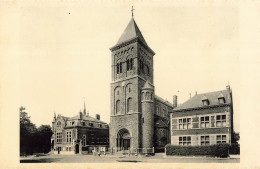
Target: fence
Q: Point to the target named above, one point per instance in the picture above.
(131, 151)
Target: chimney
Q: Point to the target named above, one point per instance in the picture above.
(80, 115)
(196, 93)
(228, 87)
(98, 116)
(175, 101)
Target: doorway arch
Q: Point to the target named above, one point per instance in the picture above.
(123, 139)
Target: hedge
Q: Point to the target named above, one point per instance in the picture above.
(216, 150)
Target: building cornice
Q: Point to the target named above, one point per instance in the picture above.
(200, 108)
(130, 41)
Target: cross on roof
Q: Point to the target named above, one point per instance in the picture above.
(132, 11)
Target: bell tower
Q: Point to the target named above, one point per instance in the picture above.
(132, 67)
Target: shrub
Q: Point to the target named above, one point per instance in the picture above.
(234, 148)
(217, 150)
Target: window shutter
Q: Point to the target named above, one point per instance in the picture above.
(212, 139)
(175, 140)
(174, 124)
(195, 122)
(228, 119)
(212, 121)
(194, 140)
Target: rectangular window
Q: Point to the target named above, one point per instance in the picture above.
(221, 121)
(59, 137)
(221, 138)
(68, 137)
(204, 122)
(84, 140)
(185, 141)
(185, 123)
(204, 140)
(91, 124)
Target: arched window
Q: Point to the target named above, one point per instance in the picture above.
(117, 68)
(131, 63)
(120, 67)
(118, 107)
(148, 71)
(58, 123)
(147, 95)
(129, 104)
(127, 65)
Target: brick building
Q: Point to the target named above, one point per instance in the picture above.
(139, 118)
(204, 119)
(81, 134)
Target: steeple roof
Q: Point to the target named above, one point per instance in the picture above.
(131, 31)
(147, 85)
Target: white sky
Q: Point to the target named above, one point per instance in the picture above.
(61, 54)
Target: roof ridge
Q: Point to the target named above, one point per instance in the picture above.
(210, 92)
(131, 31)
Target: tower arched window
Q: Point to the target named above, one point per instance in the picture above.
(117, 68)
(118, 107)
(129, 105)
(120, 67)
(131, 64)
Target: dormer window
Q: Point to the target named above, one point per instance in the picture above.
(91, 124)
(205, 101)
(83, 123)
(100, 125)
(221, 99)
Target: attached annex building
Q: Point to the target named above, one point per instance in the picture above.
(81, 134)
(205, 119)
(139, 118)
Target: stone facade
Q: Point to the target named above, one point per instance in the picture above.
(81, 134)
(205, 119)
(133, 101)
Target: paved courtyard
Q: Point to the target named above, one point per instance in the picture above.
(158, 158)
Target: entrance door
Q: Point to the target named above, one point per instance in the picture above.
(77, 149)
(126, 144)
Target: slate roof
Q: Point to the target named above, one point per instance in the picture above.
(160, 122)
(131, 31)
(84, 117)
(147, 85)
(163, 101)
(196, 101)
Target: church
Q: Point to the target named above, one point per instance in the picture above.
(139, 118)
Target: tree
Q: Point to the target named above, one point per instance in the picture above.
(27, 132)
(236, 137)
(44, 135)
